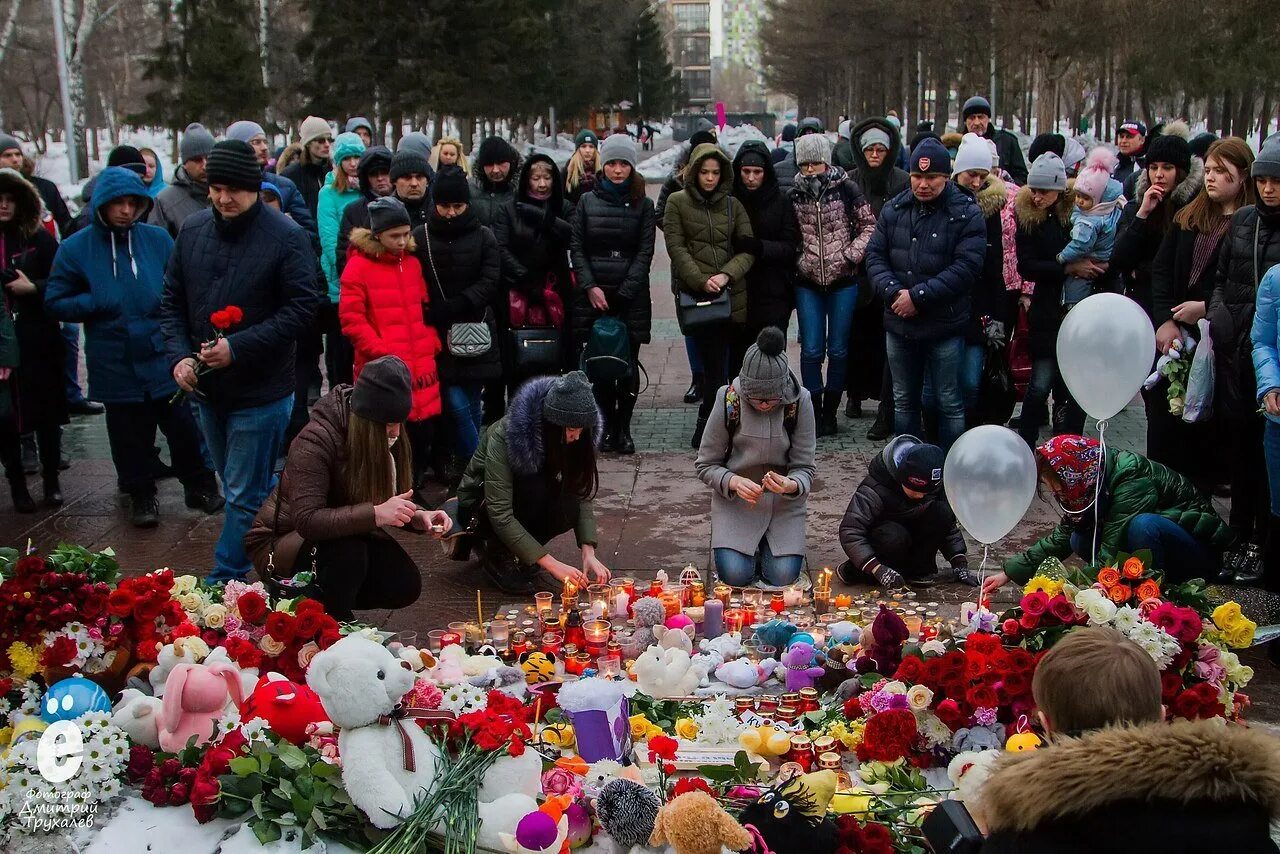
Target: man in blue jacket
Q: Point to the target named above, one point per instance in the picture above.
(245, 254)
(109, 276)
(291, 201)
(924, 258)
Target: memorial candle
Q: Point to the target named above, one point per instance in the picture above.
(843, 600)
(596, 635)
(713, 618)
(542, 604)
(733, 621)
(722, 592)
(777, 603)
(792, 596)
(450, 638)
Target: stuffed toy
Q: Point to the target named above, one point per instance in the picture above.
(557, 735)
(673, 638)
(664, 673)
(775, 633)
(843, 632)
(538, 667)
(385, 766)
(507, 679)
(978, 738)
(837, 667)
(742, 674)
(512, 774)
(449, 666)
(682, 622)
(627, 811)
(792, 815)
(286, 706)
(479, 665)
(139, 716)
(969, 771)
(882, 644)
(1020, 742)
(248, 675)
(801, 671)
(581, 825)
(543, 831)
(693, 823)
(181, 651)
(597, 775)
(765, 741)
(418, 659)
(195, 697)
(727, 647)
(647, 612)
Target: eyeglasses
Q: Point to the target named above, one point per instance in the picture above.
(765, 401)
(327, 140)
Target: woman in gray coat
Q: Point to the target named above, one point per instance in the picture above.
(757, 457)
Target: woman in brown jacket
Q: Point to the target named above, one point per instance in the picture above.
(347, 478)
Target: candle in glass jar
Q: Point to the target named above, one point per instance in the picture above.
(629, 644)
(672, 603)
(777, 603)
(542, 604)
(577, 663)
(821, 601)
(553, 643)
(520, 644)
(596, 635)
(843, 600)
(500, 633)
(723, 592)
(449, 638)
(697, 594)
(655, 587)
(733, 620)
(713, 618)
(598, 597)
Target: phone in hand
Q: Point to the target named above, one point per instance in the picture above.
(949, 829)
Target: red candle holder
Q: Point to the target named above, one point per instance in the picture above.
(552, 643)
(450, 638)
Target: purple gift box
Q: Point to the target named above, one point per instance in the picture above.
(603, 734)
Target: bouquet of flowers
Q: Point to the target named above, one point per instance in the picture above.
(222, 321)
(284, 639)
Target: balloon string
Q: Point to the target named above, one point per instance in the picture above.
(982, 572)
(1097, 490)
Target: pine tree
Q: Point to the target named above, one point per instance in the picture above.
(644, 75)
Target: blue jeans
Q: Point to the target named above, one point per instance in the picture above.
(1035, 403)
(1271, 447)
(910, 361)
(71, 334)
(244, 444)
(739, 569)
(970, 378)
(695, 359)
(826, 319)
(1180, 555)
(463, 403)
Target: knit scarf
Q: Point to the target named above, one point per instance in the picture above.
(539, 197)
(1076, 462)
(615, 191)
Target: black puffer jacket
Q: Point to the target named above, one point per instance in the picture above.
(1250, 249)
(1138, 240)
(1171, 282)
(488, 198)
(309, 178)
(988, 297)
(881, 184)
(376, 158)
(533, 236)
(612, 248)
(879, 499)
(261, 261)
(461, 263)
(1041, 236)
(771, 280)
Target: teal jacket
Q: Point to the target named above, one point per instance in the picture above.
(329, 210)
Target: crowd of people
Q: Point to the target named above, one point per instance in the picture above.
(210, 301)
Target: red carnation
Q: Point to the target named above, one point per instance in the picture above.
(234, 314)
(120, 602)
(220, 320)
(61, 653)
(1170, 685)
(691, 784)
(664, 746)
(888, 736)
(252, 606)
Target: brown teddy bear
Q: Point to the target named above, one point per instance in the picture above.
(693, 823)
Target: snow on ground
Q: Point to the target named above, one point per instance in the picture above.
(659, 166)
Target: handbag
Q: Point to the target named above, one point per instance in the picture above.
(465, 339)
(535, 351)
(279, 585)
(697, 312)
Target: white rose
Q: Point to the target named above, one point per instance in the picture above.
(933, 647)
(895, 687)
(183, 584)
(919, 697)
(214, 616)
(1100, 611)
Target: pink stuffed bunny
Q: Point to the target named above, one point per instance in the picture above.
(194, 698)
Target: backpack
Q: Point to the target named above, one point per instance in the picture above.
(606, 357)
(733, 419)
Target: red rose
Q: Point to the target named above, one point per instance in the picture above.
(328, 638)
(1035, 604)
(1170, 686)
(982, 643)
(61, 653)
(252, 606)
(1016, 684)
(281, 626)
(148, 609)
(204, 798)
(982, 697)
(305, 625)
(909, 670)
(309, 606)
(1062, 609)
(120, 602)
(93, 606)
(1029, 621)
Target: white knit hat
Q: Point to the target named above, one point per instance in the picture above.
(813, 148)
(312, 128)
(972, 155)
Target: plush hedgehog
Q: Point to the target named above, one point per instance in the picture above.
(882, 643)
(627, 811)
(647, 613)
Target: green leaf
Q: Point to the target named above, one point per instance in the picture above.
(286, 788)
(292, 757)
(243, 766)
(256, 803)
(302, 807)
(266, 831)
(324, 771)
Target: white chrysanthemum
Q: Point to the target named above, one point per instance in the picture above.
(1126, 618)
(933, 730)
(109, 789)
(254, 730)
(225, 724)
(463, 698)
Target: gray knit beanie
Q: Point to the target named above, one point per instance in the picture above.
(383, 392)
(9, 141)
(765, 372)
(415, 141)
(570, 403)
(386, 213)
(1047, 173)
(619, 146)
(1267, 165)
(196, 142)
(813, 148)
(245, 130)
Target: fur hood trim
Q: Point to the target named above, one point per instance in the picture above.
(992, 196)
(525, 453)
(1184, 192)
(1030, 217)
(952, 140)
(27, 204)
(364, 240)
(1184, 762)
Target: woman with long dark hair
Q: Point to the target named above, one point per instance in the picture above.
(533, 478)
(348, 478)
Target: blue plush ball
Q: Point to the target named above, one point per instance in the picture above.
(801, 637)
(72, 697)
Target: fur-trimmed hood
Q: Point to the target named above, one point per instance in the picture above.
(992, 195)
(367, 244)
(1184, 192)
(1183, 762)
(524, 426)
(26, 217)
(1030, 217)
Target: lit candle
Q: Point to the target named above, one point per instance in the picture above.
(450, 638)
(598, 596)
(610, 666)
(552, 643)
(733, 621)
(596, 633)
(723, 592)
(777, 603)
(621, 601)
(578, 662)
(821, 600)
(713, 618)
(843, 600)
(520, 644)
(697, 594)
(542, 605)
(655, 587)
(672, 603)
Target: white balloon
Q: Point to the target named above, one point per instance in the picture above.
(1106, 346)
(990, 479)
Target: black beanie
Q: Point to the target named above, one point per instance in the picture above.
(232, 163)
(387, 212)
(408, 161)
(700, 137)
(495, 149)
(128, 157)
(1054, 142)
(920, 467)
(376, 158)
(1169, 148)
(753, 157)
(451, 187)
(383, 392)
(1200, 143)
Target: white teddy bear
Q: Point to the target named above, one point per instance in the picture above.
(673, 639)
(663, 673)
(139, 716)
(359, 681)
(169, 657)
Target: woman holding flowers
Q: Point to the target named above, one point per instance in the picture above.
(1123, 504)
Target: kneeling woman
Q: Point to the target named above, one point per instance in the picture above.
(1142, 505)
(757, 456)
(347, 479)
(533, 478)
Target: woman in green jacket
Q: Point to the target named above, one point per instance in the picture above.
(1142, 505)
(341, 188)
(533, 478)
(702, 224)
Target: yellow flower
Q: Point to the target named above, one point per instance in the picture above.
(686, 729)
(270, 645)
(640, 727)
(23, 661)
(184, 584)
(849, 734)
(1227, 615)
(1240, 634)
(1051, 586)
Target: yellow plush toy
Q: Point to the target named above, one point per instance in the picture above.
(537, 667)
(558, 735)
(766, 741)
(1022, 741)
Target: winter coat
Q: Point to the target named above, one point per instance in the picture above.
(461, 265)
(1171, 282)
(836, 224)
(381, 314)
(879, 499)
(988, 297)
(311, 499)
(1138, 240)
(53, 202)
(533, 237)
(112, 281)
(291, 201)
(507, 471)
(331, 204)
(881, 184)
(700, 229)
(1127, 166)
(936, 251)
(1010, 152)
(356, 215)
(183, 197)
(771, 279)
(308, 178)
(1093, 237)
(37, 351)
(1254, 233)
(1041, 236)
(1176, 786)
(760, 444)
(673, 184)
(842, 155)
(261, 261)
(1133, 485)
(787, 168)
(487, 198)
(611, 248)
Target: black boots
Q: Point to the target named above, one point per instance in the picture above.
(622, 441)
(694, 393)
(507, 574)
(853, 407)
(608, 413)
(828, 425)
(52, 490)
(882, 428)
(146, 512)
(698, 430)
(22, 501)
